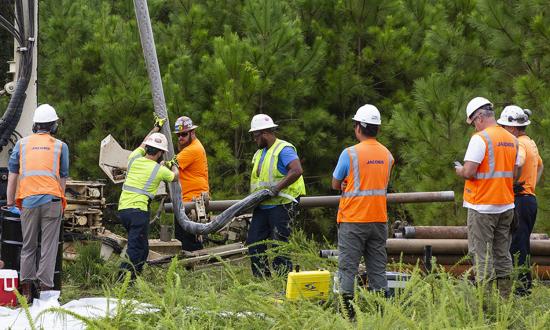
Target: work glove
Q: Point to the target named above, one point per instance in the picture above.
(159, 121)
(518, 187)
(171, 163)
(12, 209)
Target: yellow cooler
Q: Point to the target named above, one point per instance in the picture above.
(308, 284)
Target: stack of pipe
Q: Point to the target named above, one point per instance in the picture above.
(449, 247)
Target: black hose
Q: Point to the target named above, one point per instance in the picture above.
(11, 117)
(26, 39)
(249, 202)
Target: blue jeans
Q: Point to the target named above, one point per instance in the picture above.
(272, 224)
(526, 213)
(136, 223)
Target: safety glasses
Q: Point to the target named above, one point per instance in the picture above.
(182, 134)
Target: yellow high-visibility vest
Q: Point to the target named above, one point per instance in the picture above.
(270, 175)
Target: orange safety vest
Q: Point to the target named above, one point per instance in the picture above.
(39, 161)
(364, 197)
(531, 166)
(492, 184)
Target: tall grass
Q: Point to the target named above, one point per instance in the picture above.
(228, 297)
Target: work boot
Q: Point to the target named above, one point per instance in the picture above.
(347, 308)
(26, 290)
(504, 286)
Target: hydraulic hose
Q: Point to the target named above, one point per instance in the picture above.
(221, 220)
(10, 119)
(159, 104)
(25, 36)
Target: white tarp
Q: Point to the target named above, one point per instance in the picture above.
(90, 308)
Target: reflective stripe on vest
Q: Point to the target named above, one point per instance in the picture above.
(492, 184)
(271, 182)
(39, 165)
(491, 160)
(270, 176)
(357, 192)
(147, 184)
(55, 166)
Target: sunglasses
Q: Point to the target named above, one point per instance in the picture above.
(183, 134)
(519, 120)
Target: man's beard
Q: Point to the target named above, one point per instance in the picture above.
(183, 145)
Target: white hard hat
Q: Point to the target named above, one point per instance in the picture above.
(513, 115)
(473, 105)
(260, 122)
(45, 113)
(157, 140)
(368, 114)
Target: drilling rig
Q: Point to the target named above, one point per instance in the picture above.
(20, 20)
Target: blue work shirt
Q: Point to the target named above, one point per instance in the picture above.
(37, 200)
(286, 156)
(342, 168)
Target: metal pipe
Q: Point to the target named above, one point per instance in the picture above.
(427, 232)
(450, 259)
(333, 201)
(416, 246)
(396, 246)
(446, 232)
(541, 272)
(159, 102)
(450, 246)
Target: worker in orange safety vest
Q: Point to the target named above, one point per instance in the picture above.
(515, 120)
(489, 169)
(362, 174)
(38, 169)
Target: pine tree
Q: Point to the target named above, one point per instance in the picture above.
(518, 38)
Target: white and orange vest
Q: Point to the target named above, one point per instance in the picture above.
(39, 161)
(364, 196)
(492, 184)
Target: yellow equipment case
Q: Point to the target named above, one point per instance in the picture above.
(308, 284)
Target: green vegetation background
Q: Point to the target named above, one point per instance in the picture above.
(309, 64)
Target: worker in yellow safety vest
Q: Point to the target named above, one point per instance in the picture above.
(362, 174)
(515, 120)
(489, 167)
(143, 177)
(275, 166)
